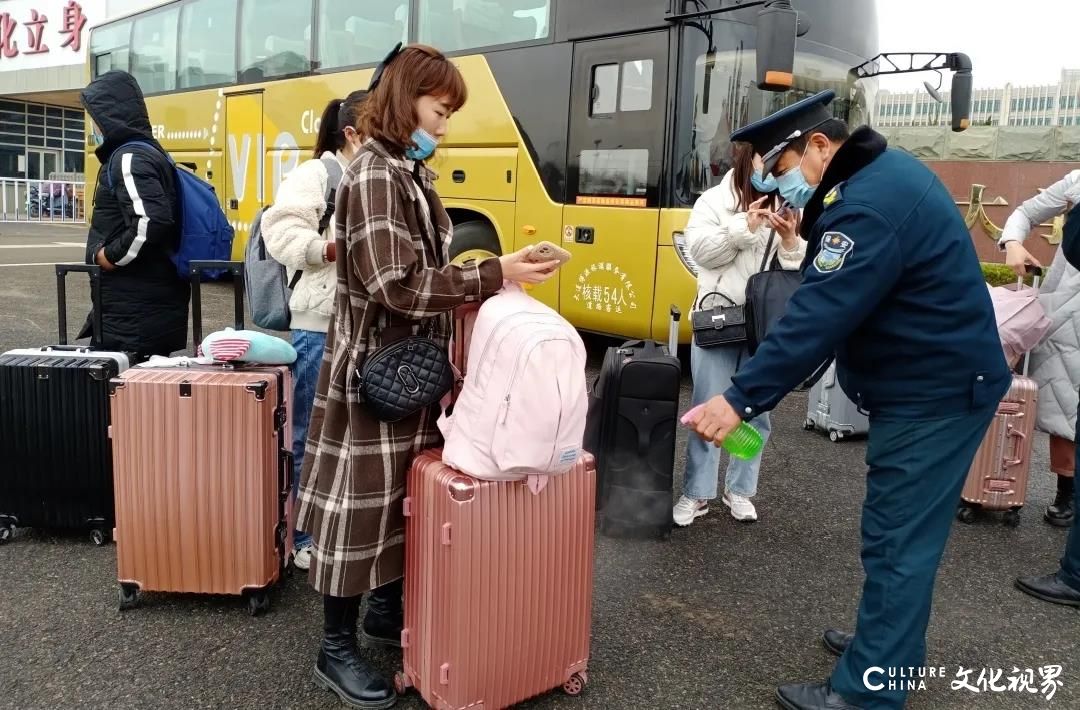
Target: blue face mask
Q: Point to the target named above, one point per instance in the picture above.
(763, 185)
(794, 187)
(425, 145)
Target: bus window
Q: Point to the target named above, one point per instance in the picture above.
(153, 61)
(207, 56)
(618, 172)
(352, 33)
(637, 83)
(726, 97)
(109, 47)
(275, 40)
(604, 89)
(453, 25)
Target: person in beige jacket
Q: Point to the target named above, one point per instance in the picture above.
(291, 230)
(727, 234)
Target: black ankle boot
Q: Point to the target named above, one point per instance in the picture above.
(384, 617)
(1061, 513)
(340, 668)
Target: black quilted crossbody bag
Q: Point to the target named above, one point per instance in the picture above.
(402, 378)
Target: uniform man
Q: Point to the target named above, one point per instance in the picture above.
(892, 287)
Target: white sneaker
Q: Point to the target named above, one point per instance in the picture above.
(740, 506)
(302, 557)
(687, 510)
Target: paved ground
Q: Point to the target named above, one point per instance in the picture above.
(712, 619)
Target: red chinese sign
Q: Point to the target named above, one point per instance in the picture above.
(71, 27)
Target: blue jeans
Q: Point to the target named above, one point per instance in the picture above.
(305, 371)
(712, 370)
(916, 472)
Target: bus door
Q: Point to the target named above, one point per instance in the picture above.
(615, 151)
(243, 151)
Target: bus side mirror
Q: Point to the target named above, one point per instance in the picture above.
(961, 91)
(778, 24)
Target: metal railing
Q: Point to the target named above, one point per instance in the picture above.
(42, 200)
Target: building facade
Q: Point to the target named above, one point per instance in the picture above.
(42, 69)
(1049, 105)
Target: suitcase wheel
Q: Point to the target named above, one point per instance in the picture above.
(99, 537)
(258, 603)
(1012, 518)
(401, 683)
(835, 436)
(129, 596)
(6, 532)
(966, 514)
(576, 683)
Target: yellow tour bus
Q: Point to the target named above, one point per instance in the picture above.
(594, 124)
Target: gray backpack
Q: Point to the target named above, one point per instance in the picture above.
(265, 284)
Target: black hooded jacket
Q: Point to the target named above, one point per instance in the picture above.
(137, 222)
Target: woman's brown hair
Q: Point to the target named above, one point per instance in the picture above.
(742, 158)
(389, 113)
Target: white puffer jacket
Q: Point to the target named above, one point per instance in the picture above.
(726, 251)
(1055, 363)
(291, 231)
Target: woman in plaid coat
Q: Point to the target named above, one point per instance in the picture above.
(393, 279)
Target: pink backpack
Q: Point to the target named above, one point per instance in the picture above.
(520, 413)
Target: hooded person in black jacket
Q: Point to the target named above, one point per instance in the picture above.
(135, 226)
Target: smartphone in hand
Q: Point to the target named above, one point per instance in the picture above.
(546, 251)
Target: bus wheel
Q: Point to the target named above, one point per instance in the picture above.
(475, 240)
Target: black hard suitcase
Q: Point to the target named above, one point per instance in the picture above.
(54, 430)
(630, 429)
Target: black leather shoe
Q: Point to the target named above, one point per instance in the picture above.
(1050, 589)
(811, 696)
(1060, 513)
(384, 617)
(836, 641)
(339, 667)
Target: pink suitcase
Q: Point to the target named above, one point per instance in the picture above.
(201, 470)
(998, 478)
(498, 586)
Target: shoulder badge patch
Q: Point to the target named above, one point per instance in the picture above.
(832, 196)
(835, 246)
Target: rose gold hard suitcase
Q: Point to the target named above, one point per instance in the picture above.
(498, 586)
(998, 478)
(201, 470)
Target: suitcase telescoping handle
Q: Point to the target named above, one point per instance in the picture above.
(94, 272)
(673, 331)
(236, 268)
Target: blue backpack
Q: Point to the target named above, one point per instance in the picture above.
(205, 233)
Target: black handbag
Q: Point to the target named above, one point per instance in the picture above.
(767, 294)
(402, 378)
(720, 325)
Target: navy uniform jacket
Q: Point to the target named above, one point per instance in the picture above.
(892, 286)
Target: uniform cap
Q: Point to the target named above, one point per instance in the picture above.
(772, 134)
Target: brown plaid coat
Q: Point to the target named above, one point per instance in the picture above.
(389, 282)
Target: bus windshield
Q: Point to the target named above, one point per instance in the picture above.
(719, 95)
